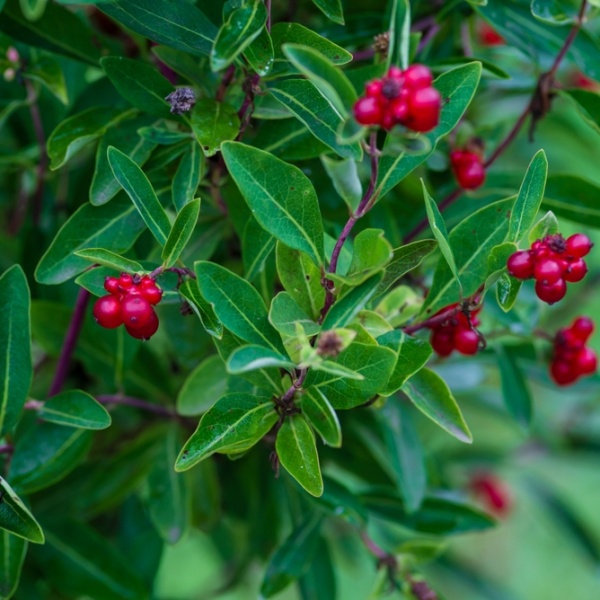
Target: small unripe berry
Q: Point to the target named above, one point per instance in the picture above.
(521, 264)
(551, 292)
(107, 312)
(578, 245)
(137, 311)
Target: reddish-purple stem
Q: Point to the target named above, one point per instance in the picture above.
(157, 409)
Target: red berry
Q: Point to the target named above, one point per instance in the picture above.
(466, 341)
(489, 36)
(152, 294)
(578, 245)
(147, 331)
(548, 270)
(373, 88)
(562, 372)
(575, 271)
(137, 311)
(492, 492)
(583, 327)
(586, 361)
(107, 312)
(470, 175)
(367, 111)
(424, 109)
(395, 73)
(126, 281)
(551, 292)
(399, 109)
(387, 121)
(111, 285)
(520, 264)
(442, 341)
(417, 77)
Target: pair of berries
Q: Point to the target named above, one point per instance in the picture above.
(130, 302)
(456, 333)
(572, 359)
(400, 98)
(468, 169)
(552, 262)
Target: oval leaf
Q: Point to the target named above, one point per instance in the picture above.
(214, 123)
(250, 358)
(203, 387)
(181, 232)
(75, 409)
(106, 258)
(15, 516)
(12, 556)
(321, 415)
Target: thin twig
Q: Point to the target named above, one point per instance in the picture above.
(268, 7)
(157, 409)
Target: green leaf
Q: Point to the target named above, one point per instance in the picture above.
(588, 105)
(163, 135)
(457, 88)
(529, 199)
(175, 23)
(260, 53)
(347, 307)
(257, 247)
(319, 581)
(293, 558)
(45, 454)
(139, 83)
(297, 452)
(109, 259)
(332, 9)
(471, 242)
(243, 25)
(431, 395)
(333, 84)
(303, 99)
(188, 175)
(139, 189)
(214, 123)
(167, 495)
(405, 259)
(250, 358)
(285, 313)
(189, 290)
(507, 290)
(49, 73)
(72, 134)
(234, 424)
(301, 279)
(75, 409)
(237, 305)
(320, 414)
(345, 179)
(338, 500)
(15, 346)
(497, 261)
(547, 225)
(15, 516)
(280, 196)
(12, 556)
(515, 392)
(438, 227)
(411, 356)
(573, 198)
(203, 387)
(373, 362)
(181, 232)
(399, 32)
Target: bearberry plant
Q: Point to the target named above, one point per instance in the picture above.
(298, 299)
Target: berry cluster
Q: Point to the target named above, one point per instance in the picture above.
(468, 168)
(552, 262)
(571, 358)
(456, 333)
(400, 98)
(130, 302)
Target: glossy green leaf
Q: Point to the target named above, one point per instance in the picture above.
(280, 196)
(432, 396)
(529, 199)
(515, 391)
(327, 78)
(250, 358)
(214, 123)
(188, 175)
(12, 556)
(260, 53)
(203, 387)
(15, 346)
(16, 518)
(301, 279)
(319, 581)
(338, 500)
(163, 136)
(303, 99)
(181, 232)
(106, 258)
(320, 414)
(139, 83)
(399, 32)
(547, 225)
(257, 247)
(497, 260)
(75, 409)
(189, 290)
(573, 198)
(345, 179)
(242, 26)
(331, 9)
(507, 290)
(139, 189)
(48, 72)
(237, 305)
(284, 313)
(554, 12)
(588, 105)
(45, 454)
(293, 558)
(175, 23)
(77, 131)
(297, 452)
(234, 424)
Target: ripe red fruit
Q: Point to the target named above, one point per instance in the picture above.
(373, 88)
(111, 285)
(107, 312)
(575, 271)
(583, 327)
(548, 270)
(521, 264)
(152, 294)
(492, 493)
(466, 341)
(137, 312)
(489, 36)
(424, 109)
(395, 72)
(563, 372)
(586, 361)
(470, 175)
(147, 331)
(126, 281)
(367, 111)
(442, 341)
(578, 245)
(551, 292)
(417, 77)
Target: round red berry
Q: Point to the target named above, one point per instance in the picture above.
(442, 341)
(521, 264)
(562, 372)
(399, 109)
(583, 327)
(367, 111)
(373, 88)
(417, 77)
(125, 281)
(578, 245)
(152, 294)
(137, 311)
(466, 341)
(424, 109)
(548, 270)
(586, 361)
(395, 73)
(107, 312)
(111, 285)
(470, 175)
(147, 331)
(551, 292)
(575, 271)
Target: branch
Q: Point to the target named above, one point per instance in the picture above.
(157, 409)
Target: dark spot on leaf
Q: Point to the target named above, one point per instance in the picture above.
(292, 187)
(307, 277)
